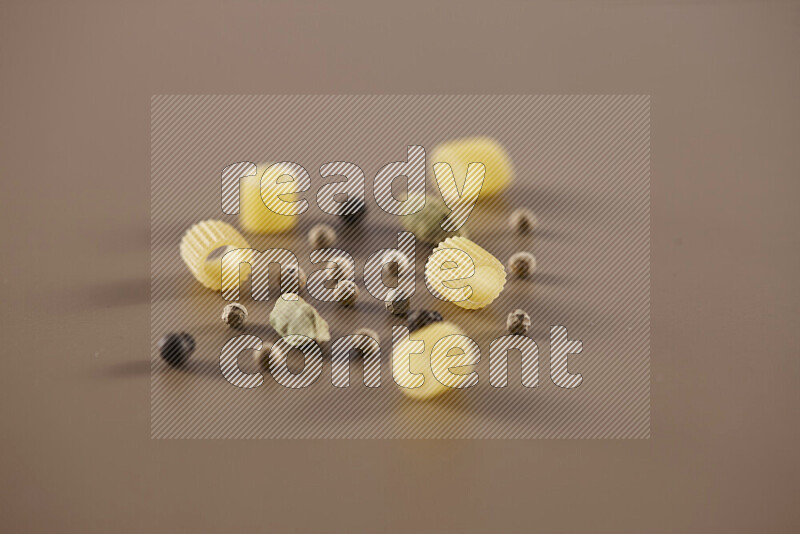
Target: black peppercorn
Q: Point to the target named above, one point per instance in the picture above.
(176, 348)
(352, 210)
(420, 318)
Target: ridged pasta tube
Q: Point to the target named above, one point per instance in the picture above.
(254, 215)
(456, 263)
(446, 345)
(200, 241)
(459, 153)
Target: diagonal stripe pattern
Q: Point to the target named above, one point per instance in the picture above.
(581, 164)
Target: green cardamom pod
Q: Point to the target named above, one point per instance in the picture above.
(294, 316)
(426, 224)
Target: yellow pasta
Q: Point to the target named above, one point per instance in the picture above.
(487, 282)
(461, 152)
(423, 363)
(204, 239)
(253, 213)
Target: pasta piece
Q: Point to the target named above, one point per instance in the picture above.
(461, 152)
(432, 363)
(292, 316)
(254, 215)
(200, 245)
(487, 281)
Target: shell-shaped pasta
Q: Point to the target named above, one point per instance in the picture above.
(487, 282)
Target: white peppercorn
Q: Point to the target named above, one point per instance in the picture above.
(394, 262)
(344, 268)
(522, 221)
(321, 236)
(522, 264)
(396, 302)
(346, 292)
(234, 315)
(518, 322)
(369, 333)
(261, 357)
(366, 347)
(301, 279)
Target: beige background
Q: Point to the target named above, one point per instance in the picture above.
(591, 245)
(74, 160)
